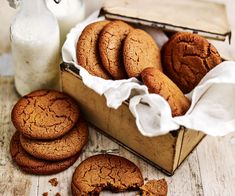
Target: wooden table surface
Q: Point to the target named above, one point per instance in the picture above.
(209, 170)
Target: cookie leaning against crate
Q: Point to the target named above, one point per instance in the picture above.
(139, 52)
(111, 48)
(157, 82)
(88, 50)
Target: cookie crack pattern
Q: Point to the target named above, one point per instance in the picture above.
(38, 116)
(36, 166)
(187, 58)
(111, 48)
(140, 52)
(106, 172)
(66, 146)
(42, 94)
(88, 50)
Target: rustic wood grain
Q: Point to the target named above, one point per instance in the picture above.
(12, 180)
(209, 170)
(217, 164)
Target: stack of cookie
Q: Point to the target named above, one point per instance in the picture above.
(116, 50)
(50, 132)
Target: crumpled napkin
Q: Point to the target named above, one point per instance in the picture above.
(212, 110)
(213, 101)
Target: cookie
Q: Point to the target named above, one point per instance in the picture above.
(154, 188)
(66, 146)
(159, 83)
(105, 171)
(139, 52)
(45, 114)
(187, 58)
(88, 50)
(111, 48)
(33, 165)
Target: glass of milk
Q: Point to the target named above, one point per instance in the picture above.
(68, 13)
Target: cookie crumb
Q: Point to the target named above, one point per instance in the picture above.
(57, 194)
(155, 188)
(45, 194)
(53, 182)
(146, 179)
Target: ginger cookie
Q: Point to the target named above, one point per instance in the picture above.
(66, 146)
(111, 48)
(159, 83)
(32, 165)
(45, 114)
(88, 50)
(104, 171)
(139, 52)
(187, 58)
(154, 188)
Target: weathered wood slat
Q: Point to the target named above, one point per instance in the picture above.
(217, 164)
(12, 180)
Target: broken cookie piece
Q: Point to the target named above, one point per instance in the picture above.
(154, 188)
(105, 172)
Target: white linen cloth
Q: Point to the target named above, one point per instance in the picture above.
(213, 101)
(212, 109)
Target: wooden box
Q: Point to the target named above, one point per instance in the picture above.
(164, 152)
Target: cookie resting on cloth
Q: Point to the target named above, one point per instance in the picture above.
(111, 48)
(187, 58)
(88, 50)
(139, 52)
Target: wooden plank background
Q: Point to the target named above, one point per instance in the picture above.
(209, 170)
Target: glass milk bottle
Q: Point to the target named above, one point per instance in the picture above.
(35, 43)
(68, 13)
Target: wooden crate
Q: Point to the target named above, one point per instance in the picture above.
(165, 152)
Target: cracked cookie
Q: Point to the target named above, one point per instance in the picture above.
(111, 48)
(105, 172)
(187, 58)
(88, 50)
(159, 83)
(45, 114)
(154, 188)
(139, 52)
(32, 165)
(67, 146)
(64, 147)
